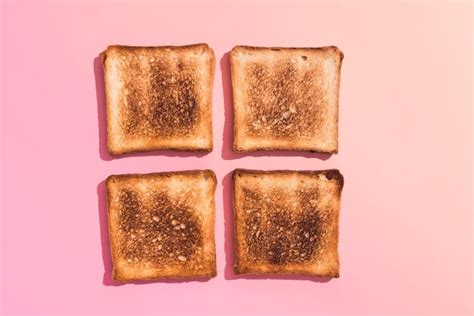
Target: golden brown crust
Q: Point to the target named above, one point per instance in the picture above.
(285, 98)
(159, 98)
(161, 225)
(286, 222)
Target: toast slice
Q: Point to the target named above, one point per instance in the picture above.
(286, 222)
(161, 225)
(286, 98)
(158, 98)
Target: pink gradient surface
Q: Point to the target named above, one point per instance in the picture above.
(405, 152)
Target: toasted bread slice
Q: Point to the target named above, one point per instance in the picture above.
(286, 222)
(162, 225)
(286, 98)
(158, 98)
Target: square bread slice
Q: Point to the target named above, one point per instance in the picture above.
(286, 222)
(158, 98)
(161, 225)
(286, 98)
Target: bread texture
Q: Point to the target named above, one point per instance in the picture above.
(286, 98)
(161, 225)
(286, 222)
(158, 98)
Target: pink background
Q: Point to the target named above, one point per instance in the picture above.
(405, 152)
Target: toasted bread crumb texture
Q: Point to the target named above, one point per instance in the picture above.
(292, 233)
(156, 229)
(287, 222)
(161, 225)
(159, 94)
(286, 98)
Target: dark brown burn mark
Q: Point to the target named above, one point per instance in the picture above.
(281, 235)
(158, 231)
(165, 105)
(334, 175)
(174, 102)
(283, 102)
(130, 210)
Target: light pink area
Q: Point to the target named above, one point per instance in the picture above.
(405, 152)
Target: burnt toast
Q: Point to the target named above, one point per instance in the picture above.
(158, 98)
(286, 222)
(285, 98)
(161, 225)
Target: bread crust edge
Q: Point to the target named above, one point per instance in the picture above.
(240, 268)
(117, 152)
(116, 275)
